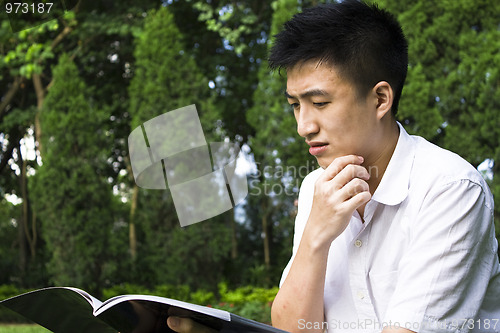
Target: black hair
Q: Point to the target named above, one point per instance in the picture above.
(365, 43)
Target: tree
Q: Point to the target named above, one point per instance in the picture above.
(166, 78)
(70, 197)
(97, 35)
(278, 151)
(228, 39)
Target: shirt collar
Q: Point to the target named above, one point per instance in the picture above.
(393, 187)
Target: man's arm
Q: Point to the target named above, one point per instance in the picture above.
(339, 190)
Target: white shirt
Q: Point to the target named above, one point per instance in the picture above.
(425, 258)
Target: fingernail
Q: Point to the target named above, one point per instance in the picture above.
(361, 159)
(174, 321)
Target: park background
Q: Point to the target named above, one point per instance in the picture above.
(72, 90)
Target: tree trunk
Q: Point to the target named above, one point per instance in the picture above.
(132, 236)
(234, 240)
(30, 235)
(40, 97)
(22, 249)
(7, 98)
(267, 255)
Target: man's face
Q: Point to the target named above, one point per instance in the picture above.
(330, 115)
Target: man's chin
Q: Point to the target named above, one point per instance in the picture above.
(324, 162)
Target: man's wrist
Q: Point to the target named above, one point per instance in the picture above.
(315, 242)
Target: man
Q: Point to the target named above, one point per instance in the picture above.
(393, 234)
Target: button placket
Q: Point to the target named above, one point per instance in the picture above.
(357, 273)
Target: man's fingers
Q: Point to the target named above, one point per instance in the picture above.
(187, 325)
(352, 188)
(338, 164)
(349, 173)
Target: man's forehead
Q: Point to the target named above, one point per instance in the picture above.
(308, 93)
(310, 79)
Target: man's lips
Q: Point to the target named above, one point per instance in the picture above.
(317, 147)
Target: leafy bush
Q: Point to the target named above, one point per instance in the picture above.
(257, 311)
(249, 302)
(247, 294)
(6, 315)
(124, 289)
(203, 297)
(182, 293)
(9, 290)
(23, 329)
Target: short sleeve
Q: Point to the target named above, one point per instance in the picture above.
(444, 274)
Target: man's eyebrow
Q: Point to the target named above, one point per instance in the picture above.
(309, 93)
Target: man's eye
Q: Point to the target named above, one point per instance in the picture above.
(295, 106)
(320, 104)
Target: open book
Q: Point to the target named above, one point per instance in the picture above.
(65, 309)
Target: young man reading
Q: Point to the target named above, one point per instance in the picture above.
(393, 234)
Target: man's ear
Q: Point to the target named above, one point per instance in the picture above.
(385, 96)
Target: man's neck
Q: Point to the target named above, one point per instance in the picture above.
(378, 164)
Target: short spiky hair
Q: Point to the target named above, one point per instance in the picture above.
(365, 43)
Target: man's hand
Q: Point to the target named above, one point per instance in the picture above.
(340, 189)
(179, 322)
(187, 325)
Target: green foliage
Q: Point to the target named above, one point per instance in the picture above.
(166, 78)
(27, 51)
(9, 290)
(6, 315)
(23, 329)
(257, 311)
(424, 121)
(70, 198)
(165, 75)
(202, 297)
(248, 301)
(8, 233)
(223, 18)
(247, 294)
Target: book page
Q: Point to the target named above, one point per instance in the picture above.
(91, 299)
(216, 313)
(59, 310)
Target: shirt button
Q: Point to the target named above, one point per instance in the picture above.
(358, 243)
(360, 294)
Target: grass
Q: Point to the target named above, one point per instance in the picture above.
(22, 328)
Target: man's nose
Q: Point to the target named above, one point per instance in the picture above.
(307, 124)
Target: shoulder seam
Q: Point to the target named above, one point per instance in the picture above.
(473, 182)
